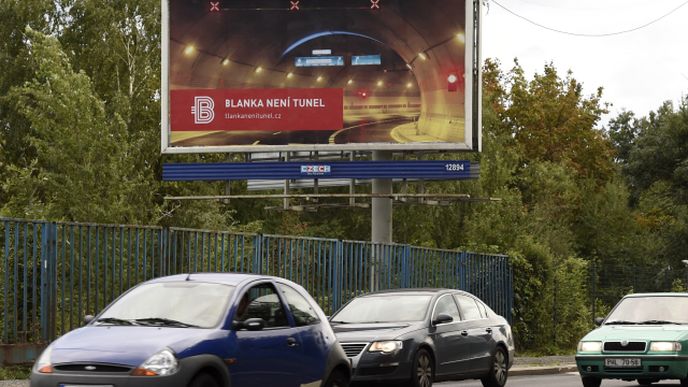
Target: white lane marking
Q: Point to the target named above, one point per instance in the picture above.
(331, 140)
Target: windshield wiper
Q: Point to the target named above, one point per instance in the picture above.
(115, 321)
(161, 321)
(659, 322)
(621, 322)
(340, 322)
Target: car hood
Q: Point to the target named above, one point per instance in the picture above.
(124, 345)
(638, 332)
(373, 331)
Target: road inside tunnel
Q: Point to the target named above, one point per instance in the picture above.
(361, 130)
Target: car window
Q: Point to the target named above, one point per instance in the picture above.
(447, 306)
(301, 309)
(261, 301)
(469, 309)
(482, 308)
(384, 308)
(189, 302)
(650, 309)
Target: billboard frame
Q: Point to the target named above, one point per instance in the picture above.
(472, 103)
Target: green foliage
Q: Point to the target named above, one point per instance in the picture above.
(18, 372)
(551, 310)
(75, 174)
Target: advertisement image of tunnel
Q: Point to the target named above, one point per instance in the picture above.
(318, 74)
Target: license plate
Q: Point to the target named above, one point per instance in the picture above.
(622, 363)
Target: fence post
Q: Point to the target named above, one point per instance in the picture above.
(510, 292)
(48, 283)
(335, 275)
(257, 254)
(405, 271)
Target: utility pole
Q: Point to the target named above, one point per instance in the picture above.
(381, 218)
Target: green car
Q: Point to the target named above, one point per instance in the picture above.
(644, 338)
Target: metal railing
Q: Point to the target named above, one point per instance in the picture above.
(54, 273)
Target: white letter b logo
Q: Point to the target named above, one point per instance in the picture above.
(203, 110)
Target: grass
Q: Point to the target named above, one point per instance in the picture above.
(17, 372)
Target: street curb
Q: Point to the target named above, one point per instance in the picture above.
(527, 371)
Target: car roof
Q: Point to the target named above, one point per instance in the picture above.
(414, 291)
(233, 279)
(666, 294)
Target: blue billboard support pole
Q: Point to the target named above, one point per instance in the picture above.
(381, 217)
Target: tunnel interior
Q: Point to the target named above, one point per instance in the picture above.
(232, 44)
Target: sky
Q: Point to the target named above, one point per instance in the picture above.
(638, 70)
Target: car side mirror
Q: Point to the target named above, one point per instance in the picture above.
(88, 318)
(251, 324)
(599, 321)
(442, 318)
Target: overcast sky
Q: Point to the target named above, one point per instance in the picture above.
(638, 70)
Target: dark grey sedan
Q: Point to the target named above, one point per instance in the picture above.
(419, 336)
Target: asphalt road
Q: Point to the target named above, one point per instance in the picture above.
(560, 380)
(360, 130)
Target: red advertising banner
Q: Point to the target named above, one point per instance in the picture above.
(256, 109)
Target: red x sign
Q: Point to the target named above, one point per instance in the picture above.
(374, 4)
(294, 5)
(214, 6)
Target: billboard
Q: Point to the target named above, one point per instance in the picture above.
(307, 75)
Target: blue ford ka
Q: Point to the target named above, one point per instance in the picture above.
(200, 330)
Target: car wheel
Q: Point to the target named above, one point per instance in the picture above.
(204, 380)
(337, 379)
(422, 370)
(499, 370)
(589, 381)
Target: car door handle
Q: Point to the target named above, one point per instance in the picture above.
(488, 330)
(464, 333)
(291, 342)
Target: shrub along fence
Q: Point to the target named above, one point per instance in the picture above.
(54, 273)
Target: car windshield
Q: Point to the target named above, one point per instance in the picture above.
(384, 308)
(176, 304)
(650, 310)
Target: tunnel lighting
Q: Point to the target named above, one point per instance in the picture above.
(452, 82)
(461, 37)
(320, 78)
(290, 75)
(380, 83)
(422, 56)
(409, 85)
(189, 50)
(225, 62)
(350, 82)
(409, 66)
(259, 69)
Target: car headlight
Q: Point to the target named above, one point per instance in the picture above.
(665, 346)
(385, 346)
(161, 364)
(43, 364)
(590, 346)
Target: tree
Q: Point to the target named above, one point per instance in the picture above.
(553, 121)
(76, 170)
